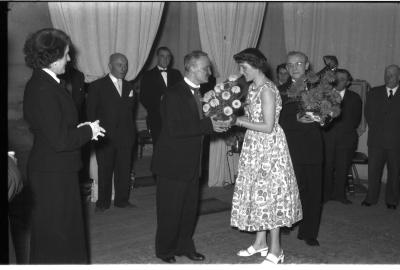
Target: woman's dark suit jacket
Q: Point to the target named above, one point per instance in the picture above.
(57, 228)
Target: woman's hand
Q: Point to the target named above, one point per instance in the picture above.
(240, 120)
(97, 130)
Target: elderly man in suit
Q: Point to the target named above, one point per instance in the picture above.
(176, 160)
(110, 100)
(340, 140)
(153, 86)
(382, 112)
(306, 150)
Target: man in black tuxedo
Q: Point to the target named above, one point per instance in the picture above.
(176, 160)
(382, 112)
(340, 140)
(110, 100)
(153, 86)
(306, 150)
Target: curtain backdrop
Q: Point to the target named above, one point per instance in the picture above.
(364, 36)
(225, 29)
(98, 29)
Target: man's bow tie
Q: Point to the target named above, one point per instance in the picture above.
(162, 69)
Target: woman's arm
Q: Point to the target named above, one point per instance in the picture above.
(268, 110)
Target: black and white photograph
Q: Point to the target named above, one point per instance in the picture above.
(165, 135)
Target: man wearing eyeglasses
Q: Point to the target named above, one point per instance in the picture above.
(305, 147)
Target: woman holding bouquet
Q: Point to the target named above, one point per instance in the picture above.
(266, 195)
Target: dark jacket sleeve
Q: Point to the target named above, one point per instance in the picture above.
(357, 111)
(146, 93)
(180, 121)
(50, 123)
(91, 102)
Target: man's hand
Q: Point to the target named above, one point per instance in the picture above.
(220, 126)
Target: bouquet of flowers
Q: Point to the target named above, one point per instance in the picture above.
(224, 101)
(319, 101)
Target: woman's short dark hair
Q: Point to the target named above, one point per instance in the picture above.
(253, 57)
(281, 66)
(45, 47)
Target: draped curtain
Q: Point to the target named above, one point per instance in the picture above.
(225, 29)
(98, 29)
(364, 36)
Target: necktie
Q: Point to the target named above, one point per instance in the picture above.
(119, 87)
(64, 86)
(390, 93)
(197, 97)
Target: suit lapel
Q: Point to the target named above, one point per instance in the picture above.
(159, 78)
(191, 99)
(112, 87)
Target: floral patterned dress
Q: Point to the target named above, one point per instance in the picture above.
(266, 195)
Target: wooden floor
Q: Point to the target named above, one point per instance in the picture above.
(349, 234)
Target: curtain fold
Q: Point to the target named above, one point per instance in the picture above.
(357, 33)
(225, 29)
(98, 29)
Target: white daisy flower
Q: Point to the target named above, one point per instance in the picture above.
(206, 108)
(214, 102)
(236, 104)
(226, 95)
(235, 89)
(209, 95)
(228, 111)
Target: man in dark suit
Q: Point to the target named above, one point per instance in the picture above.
(382, 112)
(110, 100)
(340, 140)
(176, 160)
(153, 86)
(306, 150)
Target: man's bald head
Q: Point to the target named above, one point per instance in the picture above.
(118, 65)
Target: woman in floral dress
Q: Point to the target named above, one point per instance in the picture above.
(266, 195)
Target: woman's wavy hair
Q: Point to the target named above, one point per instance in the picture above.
(254, 58)
(45, 47)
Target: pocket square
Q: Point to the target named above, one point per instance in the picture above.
(131, 93)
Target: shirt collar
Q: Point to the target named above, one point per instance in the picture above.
(190, 83)
(394, 89)
(113, 78)
(161, 68)
(52, 74)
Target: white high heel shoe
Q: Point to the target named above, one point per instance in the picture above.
(250, 251)
(271, 258)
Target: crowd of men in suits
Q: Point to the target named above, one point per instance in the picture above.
(321, 157)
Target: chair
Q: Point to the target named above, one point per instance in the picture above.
(144, 137)
(356, 186)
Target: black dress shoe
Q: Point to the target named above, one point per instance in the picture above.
(309, 241)
(364, 203)
(391, 206)
(125, 205)
(194, 256)
(169, 259)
